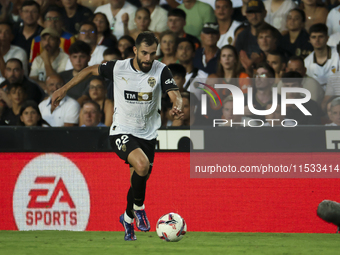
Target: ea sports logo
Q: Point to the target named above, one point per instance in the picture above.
(51, 194)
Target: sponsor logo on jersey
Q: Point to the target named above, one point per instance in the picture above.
(137, 96)
(51, 194)
(152, 82)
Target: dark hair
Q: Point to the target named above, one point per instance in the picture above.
(9, 25)
(143, 9)
(228, 1)
(146, 37)
(89, 23)
(128, 51)
(297, 58)
(15, 60)
(266, 27)
(107, 33)
(180, 40)
(128, 38)
(318, 28)
(177, 70)
(301, 12)
(177, 13)
(112, 51)
(30, 3)
(267, 67)
(16, 86)
(282, 56)
(52, 8)
(94, 103)
(31, 103)
(292, 77)
(80, 47)
(100, 78)
(237, 66)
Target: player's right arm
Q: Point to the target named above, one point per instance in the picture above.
(82, 75)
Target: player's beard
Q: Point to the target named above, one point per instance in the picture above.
(144, 69)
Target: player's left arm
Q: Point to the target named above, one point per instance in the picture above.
(169, 86)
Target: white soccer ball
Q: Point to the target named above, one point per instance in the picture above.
(171, 227)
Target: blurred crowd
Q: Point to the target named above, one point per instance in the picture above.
(258, 46)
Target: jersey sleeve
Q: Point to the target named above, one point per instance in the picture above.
(106, 69)
(167, 81)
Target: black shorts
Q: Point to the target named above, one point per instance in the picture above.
(123, 144)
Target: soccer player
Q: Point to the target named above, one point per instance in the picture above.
(138, 86)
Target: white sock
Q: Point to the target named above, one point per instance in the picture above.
(136, 207)
(127, 219)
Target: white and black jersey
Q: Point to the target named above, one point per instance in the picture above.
(137, 96)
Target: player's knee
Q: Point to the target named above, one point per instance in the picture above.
(142, 167)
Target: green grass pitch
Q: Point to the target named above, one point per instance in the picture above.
(112, 243)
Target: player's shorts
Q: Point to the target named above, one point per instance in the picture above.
(123, 144)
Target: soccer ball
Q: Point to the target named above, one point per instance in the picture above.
(171, 227)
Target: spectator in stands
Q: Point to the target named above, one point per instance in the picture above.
(30, 115)
(229, 69)
(335, 112)
(17, 96)
(8, 51)
(227, 112)
(333, 20)
(158, 15)
(97, 91)
(227, 26)
(197, 14)
(51, 60)
(296, 40)
(66, 113)
(111, 54)
(315, 11)
(52, 19)
(332, 89)
(185, 54)
(14, 73)
(129, 53)
(168, 47)
(88, 34)
(275, 118)
(74, 14)
(296, 64)
(92, 4)
(277, 11)
(176, 23)
(293, 80)
(104, 37)
(262, 94)
(324, 60)
(91, 114)
(206, 58)
(118, 12)
(125, 42)
(26, 30)
(246, 42)
(190, 117)
(178, 72)
(277, 61)
(268, 39)
(80, 55)
(142, 21)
